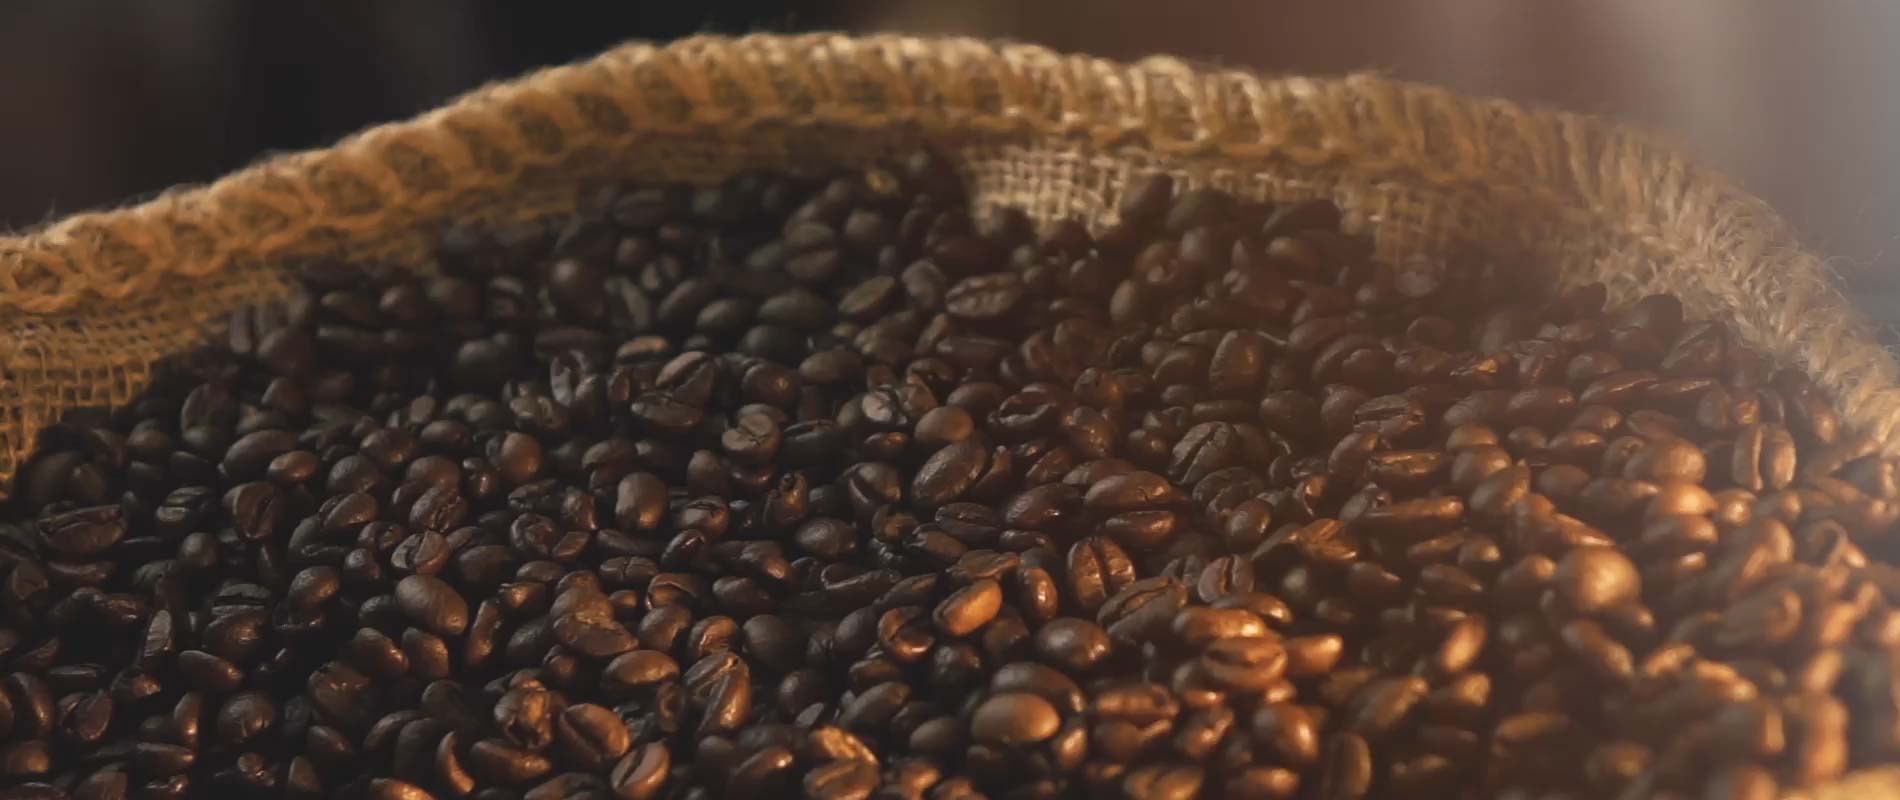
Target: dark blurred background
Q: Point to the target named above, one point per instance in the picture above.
(102, 101)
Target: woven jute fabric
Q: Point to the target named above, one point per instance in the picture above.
(88, 304)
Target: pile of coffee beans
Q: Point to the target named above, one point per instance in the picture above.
(801, 485)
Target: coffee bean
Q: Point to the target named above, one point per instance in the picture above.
(1204, 449)
(1348, 769)
(1043, 681)
(1595, 578)
(433, 604)
(842, 779)
(1045, 507)
(1288, 732)
(944, 425)
(642, 773)
(753, 439)
(1665, 460)
(1200, 626)
(209, 672)
(591, 736)
(1164, 781)
(244, 716)
(873, 708)
(1014, 719)
(762, 770)
(85, 532)
(969, 608)
(1074, 645)
(439, 509)
(1097, 568)
(1314, 655)
(949, 473)
(593, 637)
(85, 718)
(506, 764)
(255, 509)
(1142, 610)
(1131, 491)
(1243, 664)
(984, 297)
(523, 715)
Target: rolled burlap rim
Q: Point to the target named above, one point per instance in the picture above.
(90, 303)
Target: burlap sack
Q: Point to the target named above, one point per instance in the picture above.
(89, 303)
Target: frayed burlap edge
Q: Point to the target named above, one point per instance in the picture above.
(89, 303)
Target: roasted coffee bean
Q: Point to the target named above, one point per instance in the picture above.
(1288, 732)
(842, 779)
(1046, 682)
(1131, 491)
(243, 717)
(1383, 706)
(642, 773)
(591, 736)
(1243, 664)
(84, 532)
(1097, 568)
(524, 716)
(433, 604)
(1211, 502)
(1591, 579)
(1347, 771)
(506, 764)
(1224, 576)
(1014, 719)
(1074, 645)
(1204, 449)
(969, 608)
(984, 297)
(1200, 626)
(949, 473)
(903, 634)
(1313, 655)
(873, 708)
(1142, 610)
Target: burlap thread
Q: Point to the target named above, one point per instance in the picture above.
(89, 303)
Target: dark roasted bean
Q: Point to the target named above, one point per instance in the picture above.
(1243, 664)
(642, 773)
(1592, 579)
(433, 604)
(1314, 655)
(506, 764)
(1198, 626)
(590, 736)
(1288, 732)
(1348, 769)
(1014, 719)
(949, 473)
(1097, 568)
(969, 608)
(1075, 645)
